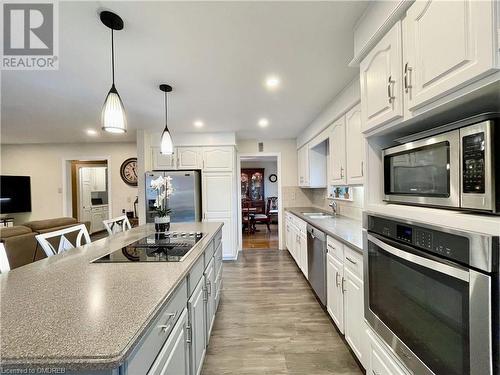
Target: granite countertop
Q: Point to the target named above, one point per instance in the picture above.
(67, 312)
(344, 229)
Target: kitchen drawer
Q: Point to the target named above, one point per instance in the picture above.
(335, 247)
(381, 362)
(196, 274)
(143, 357)
(218, 258)
(353, 261)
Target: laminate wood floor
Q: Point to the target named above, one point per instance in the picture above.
(263, 239)
(270, 323)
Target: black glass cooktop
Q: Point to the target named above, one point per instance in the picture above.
(157, 247)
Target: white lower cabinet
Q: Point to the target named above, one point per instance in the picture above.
(335, 297)
(296, 241)
(210, 288)
(345, 298)
(174, 356)
(381, 362)
(197, 323)
(354, 326)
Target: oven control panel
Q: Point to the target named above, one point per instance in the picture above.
(441, 243)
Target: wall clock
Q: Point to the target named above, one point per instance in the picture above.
(128, 171)
(273, 178)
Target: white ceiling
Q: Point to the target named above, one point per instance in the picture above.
(216, 55)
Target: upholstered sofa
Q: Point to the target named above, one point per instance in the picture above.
(20, 242)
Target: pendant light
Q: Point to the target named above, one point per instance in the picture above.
(166, 145)
(113, 118)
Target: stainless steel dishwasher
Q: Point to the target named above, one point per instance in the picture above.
(316, 262)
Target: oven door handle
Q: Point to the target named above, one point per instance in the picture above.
(445, 269)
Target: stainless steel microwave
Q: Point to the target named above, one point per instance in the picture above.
(456, 169)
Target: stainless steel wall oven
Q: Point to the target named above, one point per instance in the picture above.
(432, 295)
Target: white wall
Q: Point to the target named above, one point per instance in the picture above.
(288, 149)
(44, 163)
(270, 167)
(345, 100)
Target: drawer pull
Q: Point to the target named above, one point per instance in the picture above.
(350, 260)
(165, 327)
(209, 289)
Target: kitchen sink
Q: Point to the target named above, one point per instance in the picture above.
(317, 215)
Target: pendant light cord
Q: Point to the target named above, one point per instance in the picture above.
(166, 111)
(112, 57)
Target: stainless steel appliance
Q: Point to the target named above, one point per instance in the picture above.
(157, 247)
(456, 169)
(316, 262)
(185, 200)
(432, 294)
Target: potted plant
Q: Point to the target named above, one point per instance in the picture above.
(163, 187)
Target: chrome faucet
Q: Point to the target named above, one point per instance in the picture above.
(334, 207)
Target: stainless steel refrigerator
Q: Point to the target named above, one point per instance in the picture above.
(185, 201)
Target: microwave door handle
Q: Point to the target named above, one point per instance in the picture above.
(421, 261)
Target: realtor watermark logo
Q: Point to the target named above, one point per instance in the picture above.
(30, 35)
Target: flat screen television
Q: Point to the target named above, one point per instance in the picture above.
(15, 194)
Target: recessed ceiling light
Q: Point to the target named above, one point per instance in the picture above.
(263, 122)
(198, 124)
(91, 132)
(272, 82)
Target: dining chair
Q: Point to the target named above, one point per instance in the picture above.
(63, 243)
(4, 261)
(117, 224)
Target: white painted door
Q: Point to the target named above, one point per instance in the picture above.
(210, 298)
(446, 45)
(160, 161)
(197, 322)
(335, 297)
(98, 178)
(355, 333)
(174, 356)
(84, 213)
(189, 158)
(217, 193)
(381, 76)
(218, 159)
(338, 153)
(355, 146)
(303, 165)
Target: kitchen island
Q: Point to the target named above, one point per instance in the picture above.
(68, 314)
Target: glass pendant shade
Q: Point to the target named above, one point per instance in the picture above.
(113, 118)
(166, 145)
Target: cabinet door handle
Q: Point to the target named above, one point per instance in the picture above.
(390, 89)
(337, 282)
(407, 77)
(341, 172)
(350, 260)
(209, 289)
(362, 169)
(343, 289)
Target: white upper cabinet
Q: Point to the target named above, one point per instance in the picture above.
(303, 162)
(161, 161)
(218, 159)
(338, 153)
(381, 80)
(189, 158)
(446, 44)
(355, 143)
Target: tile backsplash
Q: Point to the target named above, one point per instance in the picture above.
(294, 196)
(353, 209)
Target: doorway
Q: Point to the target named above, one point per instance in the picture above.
(260, 197)
(90, 197)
